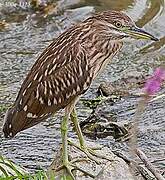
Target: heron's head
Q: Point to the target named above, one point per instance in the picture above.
(121, 26)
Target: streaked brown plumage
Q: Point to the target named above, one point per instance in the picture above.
(63, 71)
(66, 69)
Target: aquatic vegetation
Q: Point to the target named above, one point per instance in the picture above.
(3, 108)
(92, 103)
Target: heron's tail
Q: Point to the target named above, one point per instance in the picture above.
(16, 121)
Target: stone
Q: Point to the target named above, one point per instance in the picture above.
(113, 169)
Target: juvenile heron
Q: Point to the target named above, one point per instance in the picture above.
(65, 70)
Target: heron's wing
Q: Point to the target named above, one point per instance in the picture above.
(51, 85)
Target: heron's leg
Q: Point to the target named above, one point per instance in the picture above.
(64, 132)
(83, 147)
(74, 119)
(65, 161)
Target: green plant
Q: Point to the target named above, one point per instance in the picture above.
(11, 171)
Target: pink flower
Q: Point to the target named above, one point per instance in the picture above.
(153, 84)
(159, 74)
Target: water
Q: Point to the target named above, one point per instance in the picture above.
(26, 37)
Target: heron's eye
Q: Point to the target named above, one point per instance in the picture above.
(118, 24)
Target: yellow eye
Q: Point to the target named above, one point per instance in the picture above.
(118, 24)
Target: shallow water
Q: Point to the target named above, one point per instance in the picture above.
(27, 36)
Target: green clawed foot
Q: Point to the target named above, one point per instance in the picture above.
(91, 154)
(69, 167)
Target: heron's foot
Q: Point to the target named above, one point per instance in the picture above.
(90, 152)
(70, 167)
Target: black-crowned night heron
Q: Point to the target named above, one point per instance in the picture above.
(65, 70)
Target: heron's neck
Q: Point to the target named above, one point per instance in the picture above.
(105, 55)
(101, 49)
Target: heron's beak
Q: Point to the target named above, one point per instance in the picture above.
(138, 33)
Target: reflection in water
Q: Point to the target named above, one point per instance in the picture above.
(119, 5)
(153, 47)
(100, 5)
(154, 8)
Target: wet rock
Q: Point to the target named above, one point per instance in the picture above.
(107, 89)
(114, 168)
(98, 127)
(122, 87)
